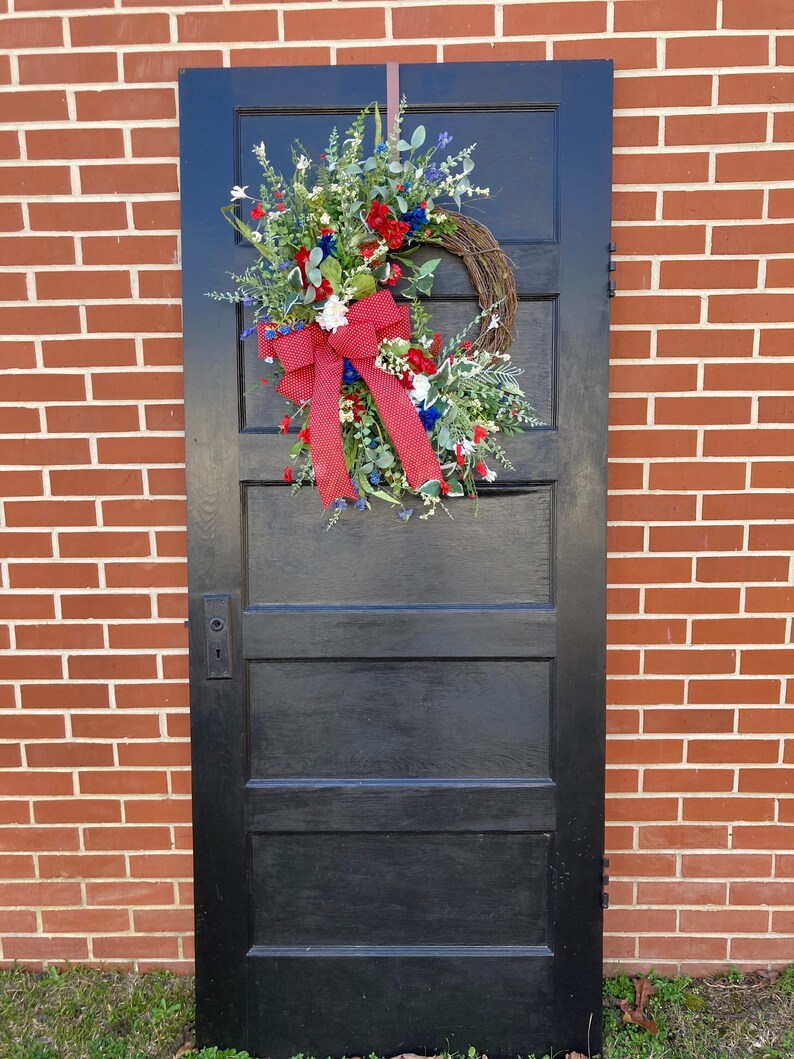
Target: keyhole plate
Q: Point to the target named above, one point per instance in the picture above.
(217, 625)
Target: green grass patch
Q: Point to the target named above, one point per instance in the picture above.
(82, 1013)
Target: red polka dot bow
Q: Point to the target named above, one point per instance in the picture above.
(313, 364)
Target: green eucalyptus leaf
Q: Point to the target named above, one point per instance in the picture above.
(384, 461)
(455, 487)
(369, 165)
(296, 448)
(378, 126)
(395, 167)
(402, 205)
(353, 170)
(418, 137)
(384, 496)
(381, 272)
(309, 295)
(432, 397)
(315, 257)
(403, 145)
(431, 488)
(468, 165)
(368, 468)
(444, 437)
(295, 279)
(314, 276)
(332, 271)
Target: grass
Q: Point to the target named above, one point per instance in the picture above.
(82, 1013)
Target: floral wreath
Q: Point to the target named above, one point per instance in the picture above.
(385, 408)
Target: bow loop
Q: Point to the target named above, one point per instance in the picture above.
(355, 342)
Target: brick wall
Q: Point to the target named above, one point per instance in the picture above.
(93, 731)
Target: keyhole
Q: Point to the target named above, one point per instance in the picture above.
(217, 652)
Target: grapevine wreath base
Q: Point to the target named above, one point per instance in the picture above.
(386, 408)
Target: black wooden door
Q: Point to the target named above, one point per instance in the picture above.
(398, 788)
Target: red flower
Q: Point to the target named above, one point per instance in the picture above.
(480, 433)
(444, 487)
(435, 345)
(378, 213)
(278, 194)
(280, 206)
(423, 204)
(263, 381)
(287, 474)
(394, 233)
(283, 426)
(324, 289)
(451, 359)
(415, 358)
(394, 276)
(327, 231)
(406, 380)
(465, 344)
(399, 187)
(460, 456)
(304, 435)
(481, 469)
(258, 212)
(357, 407)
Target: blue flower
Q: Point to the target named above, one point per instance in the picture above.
(247, 300)
(284, 329)
(328, 245)
(283, 265)
(405, 514)
(416, 218)
(360, 505)
(443, 139)
(248, 331)
(355, 487)
(429, 416)
(380, 148)
(349, 373)
(340, 505)
(433, 174)
(374, 443)
(298, 326)
(375, 477)
(271, 333)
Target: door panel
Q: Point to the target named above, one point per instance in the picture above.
(398, 792)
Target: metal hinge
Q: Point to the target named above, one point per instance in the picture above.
(604, 882)
(611, 285)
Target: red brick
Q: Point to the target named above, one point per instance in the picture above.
(113, 894)
(157, 65)
(642, 631)
(761, 14)
(704, 342)
(171, 605)
(24, 108)
(657, 309)
(158, 811)
(32, 250)
(216, 26)
(697, 476)
(121, 726)
(88, 352)
(275, 55)
(133, 946)
(770, 599)
(729, 809)
(689, 780)
(89, 482)
(162, 417)
(153, 636)
(25, 545)
(162, 350)
(627, 411)
(152, 696)
(702, 410)
(648, 570)
(643, 750)
(664, 15)
(74, 143)
(61, 696)
(737, 630)
(754, 442)
(160, 283)
(92, 30)
(143, 513)
(167, 481)
(652, 378)
(51, 948)
(763, 662)
(681, 947)
(633, 206)
(13, 288)
(765, 88)
(129, 249)
(81, 284)
(123, 782)
(774, 537)
(53, 575)
(136, 386)
(488, 51)
(71, 68)
(78, 810)
(156, 216)
(135, 317)
(686, 662)
(127, 104)
(105, 605)
(166, 755)
(770, 720)
(700, 275)
(543, 19)
(155, 143)
(660, 169)
(165, 921)
(92, 419)
(712, 204)
(11, 219)
(69, 755)
(774, 838)
(144, 450)
(20, 483)
(148, 178)
(60, 635)
(33, 387)
(732, 751)
(40, 319)
(24, 606)
(686, 720)
(781, 202)
(50, 513)
(757, 949)
(696, 538)
(146, 575)
(706, 52)
(739, 692)
(85, 920)
(41, 838)
(755, 165)
(627, 53)
(624, 475)
(753, 239)
(361, 24)
(780, 273)
(771, 893)
(681, 893)
(100, 544)
(663, 91)
(727, 922)
(111, 667)
(778, 781)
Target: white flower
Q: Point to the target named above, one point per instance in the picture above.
(256, 237)
(325, 219)
(420, 388)
(302, 164)
(238, 192)
(467, 445)
(333, 315)
(493, 322)
(489, 476)
(259, 148)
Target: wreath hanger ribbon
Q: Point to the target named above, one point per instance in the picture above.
(313, 364)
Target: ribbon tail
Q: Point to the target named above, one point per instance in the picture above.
(328, 458)
(404, 425)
